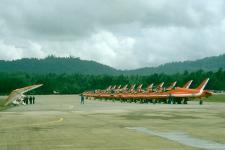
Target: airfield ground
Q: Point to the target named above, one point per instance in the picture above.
(61, 123)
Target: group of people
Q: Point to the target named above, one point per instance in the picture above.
(29, 100)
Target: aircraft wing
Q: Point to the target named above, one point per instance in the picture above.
(19, 92)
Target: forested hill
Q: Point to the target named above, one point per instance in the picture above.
(207, 64)
(58, 65)
(71, 65)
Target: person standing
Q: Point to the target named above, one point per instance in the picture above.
(33, 99)
(201, 102)
(30, 99)
(81, 99)
(26, 100)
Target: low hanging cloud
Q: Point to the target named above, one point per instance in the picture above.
(122, 34)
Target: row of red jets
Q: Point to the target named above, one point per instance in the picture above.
(171, 94)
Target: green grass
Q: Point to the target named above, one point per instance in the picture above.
(216, 98)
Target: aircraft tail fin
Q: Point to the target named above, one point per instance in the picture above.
(173, 85)
(114, 87)
(132, 88)
(149, 88)
(202, 85)
(119, 87)
(139, 88)
(108, 88)
(188, 84)
(161, 85)
(125, 87)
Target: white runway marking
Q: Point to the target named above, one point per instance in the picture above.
(182, 138)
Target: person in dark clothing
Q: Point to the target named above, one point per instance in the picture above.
(30, 100)
(26, 100)
(81, 99)
(33, 99)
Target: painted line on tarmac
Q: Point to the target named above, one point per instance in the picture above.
(50, 122)
(182, 138)
(36, 124)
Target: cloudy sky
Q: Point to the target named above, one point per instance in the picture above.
(124, 34)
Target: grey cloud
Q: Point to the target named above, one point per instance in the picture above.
(120, 33)
(74, 18)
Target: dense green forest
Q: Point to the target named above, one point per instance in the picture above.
(58, 65)
(77, 83)
(71, 65)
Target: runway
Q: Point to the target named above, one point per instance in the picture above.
(60, 122)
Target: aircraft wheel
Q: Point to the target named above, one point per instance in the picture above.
(200, 102)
